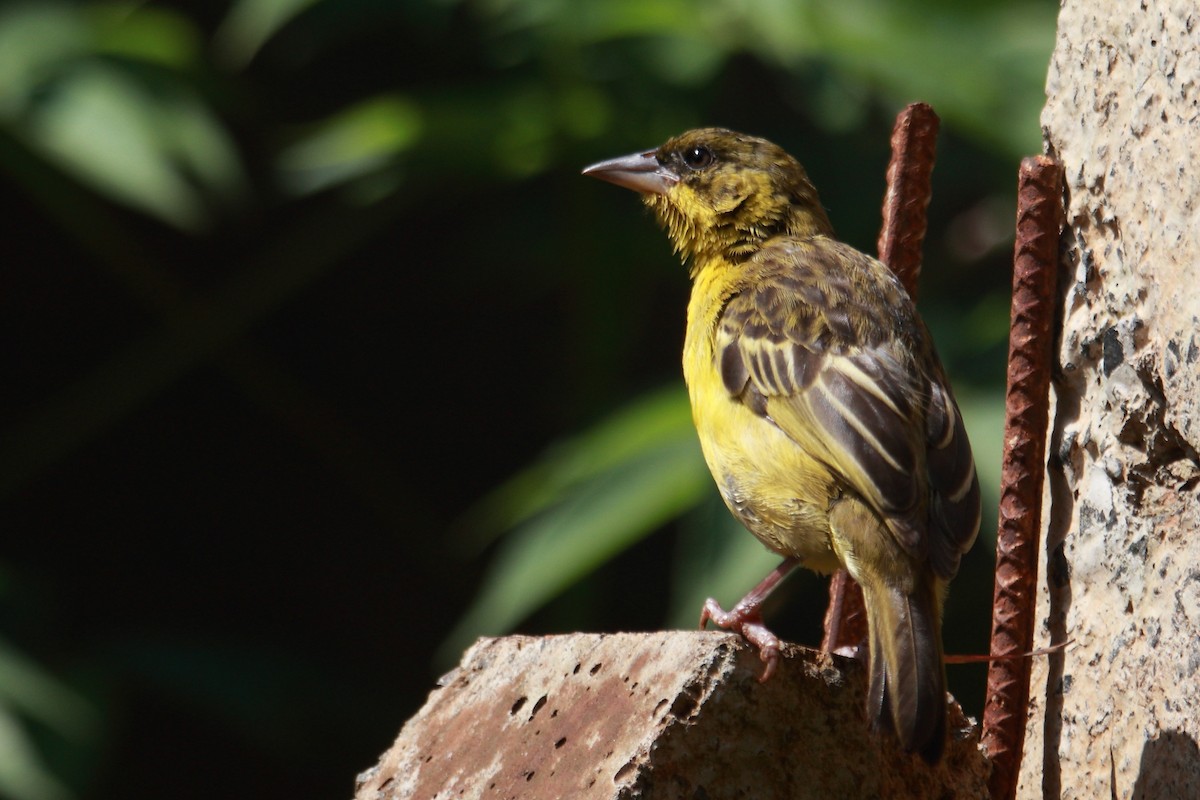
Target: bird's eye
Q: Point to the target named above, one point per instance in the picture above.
(698, 157)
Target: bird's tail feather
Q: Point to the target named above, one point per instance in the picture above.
(907, 692)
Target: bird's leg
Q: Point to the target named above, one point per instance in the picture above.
(845, 619)
(746, 617)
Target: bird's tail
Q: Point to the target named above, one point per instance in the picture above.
(907, 693)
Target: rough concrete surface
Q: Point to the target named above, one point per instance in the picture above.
(1118, 714)
(677, 714)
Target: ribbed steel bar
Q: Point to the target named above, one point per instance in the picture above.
(1039, 215)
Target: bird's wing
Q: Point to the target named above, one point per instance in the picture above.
(859, 389)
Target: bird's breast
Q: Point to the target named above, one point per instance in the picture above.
(774, 488)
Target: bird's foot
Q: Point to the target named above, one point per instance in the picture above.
(747, 620)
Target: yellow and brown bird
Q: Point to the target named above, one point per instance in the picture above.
(822, 408)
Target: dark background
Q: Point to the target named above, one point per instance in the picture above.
(285, 297)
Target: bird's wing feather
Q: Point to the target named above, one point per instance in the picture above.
(955, 511)
(839, 382)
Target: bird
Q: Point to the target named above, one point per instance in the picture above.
(822, 408)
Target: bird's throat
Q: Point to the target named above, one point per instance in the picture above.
(733, 236)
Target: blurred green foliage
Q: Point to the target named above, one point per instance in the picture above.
(297, 281)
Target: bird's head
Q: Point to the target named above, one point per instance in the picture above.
(720, 193)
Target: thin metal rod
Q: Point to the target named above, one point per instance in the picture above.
(1039, 216)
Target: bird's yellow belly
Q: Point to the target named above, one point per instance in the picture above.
(771, 485)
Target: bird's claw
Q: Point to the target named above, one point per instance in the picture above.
(748, 622)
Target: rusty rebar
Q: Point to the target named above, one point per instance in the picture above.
(1039, 215)
(914, 146)
(914, 143)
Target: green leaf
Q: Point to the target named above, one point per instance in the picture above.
(353, 143)
(588, 526)
(136, 147)
(28, 692)
(23, 776)
(145, 33)
(249, 25)
(657, 419)
(34, 40)
(28, 688)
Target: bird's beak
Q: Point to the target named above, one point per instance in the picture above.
(638, 171)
